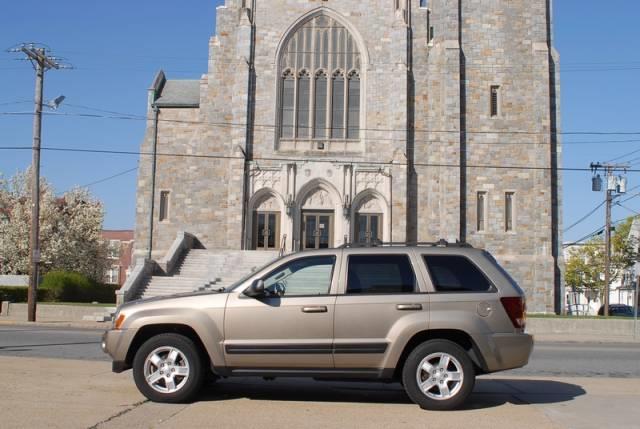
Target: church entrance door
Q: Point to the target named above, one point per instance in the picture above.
(266, 230)
(368, 228)
(317, 230)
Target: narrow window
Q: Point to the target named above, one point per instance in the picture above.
(495, 98)
(337, 106)
(320, 124)
(164, 205)
(508, 211)
(304, 89)
(288, 91)
(480, 210)
(353, 116)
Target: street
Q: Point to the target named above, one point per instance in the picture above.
(63, 371)
(564, 359)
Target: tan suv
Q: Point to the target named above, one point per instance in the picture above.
(429, 316)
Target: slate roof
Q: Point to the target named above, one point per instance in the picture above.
(179, 93)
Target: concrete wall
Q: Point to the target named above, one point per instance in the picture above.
(55, 313)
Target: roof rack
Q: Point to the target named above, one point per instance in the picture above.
(378, 243)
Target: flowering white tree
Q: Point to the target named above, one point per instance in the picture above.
(70, 229)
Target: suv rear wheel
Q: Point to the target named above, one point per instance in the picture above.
(168, 368)
(438, 375)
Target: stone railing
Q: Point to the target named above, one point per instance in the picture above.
(183, 243)
(142, 270)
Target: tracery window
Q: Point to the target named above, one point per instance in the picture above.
(319, 86)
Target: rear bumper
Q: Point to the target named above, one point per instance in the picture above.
(506, 351)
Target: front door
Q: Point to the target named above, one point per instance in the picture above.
(368, 228)
(266, 230)
(291, 327)
(317, 230)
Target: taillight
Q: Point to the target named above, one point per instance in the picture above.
(516, 308)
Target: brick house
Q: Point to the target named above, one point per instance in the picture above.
(120, 251)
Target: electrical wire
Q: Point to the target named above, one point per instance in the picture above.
(273, 127)
(122, 173)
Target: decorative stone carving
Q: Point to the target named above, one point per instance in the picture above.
(267, 204)
(319, 199)
(369, 180)
(370, 205)
(266, 179)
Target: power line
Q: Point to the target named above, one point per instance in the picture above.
(345, 160)
(122, 173)
(582, 219)
(273, 127)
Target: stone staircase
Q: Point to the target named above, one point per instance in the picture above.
(203, 269)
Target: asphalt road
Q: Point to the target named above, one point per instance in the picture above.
(548, 359)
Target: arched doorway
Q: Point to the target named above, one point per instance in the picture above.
(369, 219)
(317, 221)
(266, 222)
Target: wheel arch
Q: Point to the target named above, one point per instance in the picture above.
(459, 337)
(149, 331)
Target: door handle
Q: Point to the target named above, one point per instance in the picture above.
(409, 307)
(318, 309)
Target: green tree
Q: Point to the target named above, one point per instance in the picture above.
(585, 265)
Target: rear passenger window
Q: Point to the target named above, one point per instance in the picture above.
(383, 274)
(455, 274)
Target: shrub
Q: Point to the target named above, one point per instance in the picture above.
(62, 286)
(18, 294)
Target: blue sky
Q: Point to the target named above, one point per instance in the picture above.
(117, 46)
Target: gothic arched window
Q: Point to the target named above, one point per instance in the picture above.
(319, 87)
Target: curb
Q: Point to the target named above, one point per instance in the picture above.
(57, 324)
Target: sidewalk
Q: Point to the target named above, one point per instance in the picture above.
(55, 393)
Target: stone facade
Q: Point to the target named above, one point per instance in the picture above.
(427, 141)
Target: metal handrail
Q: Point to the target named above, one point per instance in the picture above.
(283, 245)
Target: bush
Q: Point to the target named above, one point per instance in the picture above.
(18, 294)
(62, 286)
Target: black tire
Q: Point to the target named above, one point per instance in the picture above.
(189, 351)
(462, 388)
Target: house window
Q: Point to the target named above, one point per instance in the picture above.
(509, 198)
(164, 205)
(495, 100)
(481, 208)
(114, 249)
(320, 85)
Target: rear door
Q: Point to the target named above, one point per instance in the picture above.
(379, 292)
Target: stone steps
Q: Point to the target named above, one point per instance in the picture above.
(202, 269)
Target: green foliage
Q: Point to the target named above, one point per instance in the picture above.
(586, 264)
(17, 294)
(63, 286)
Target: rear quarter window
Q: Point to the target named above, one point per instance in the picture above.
(451, 273)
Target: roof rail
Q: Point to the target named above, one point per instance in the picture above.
(378, 243)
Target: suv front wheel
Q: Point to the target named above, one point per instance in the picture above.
(438, 375)
(168, 368)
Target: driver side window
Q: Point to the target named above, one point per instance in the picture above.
(301, 277)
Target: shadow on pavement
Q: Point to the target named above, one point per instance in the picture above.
(488, 393)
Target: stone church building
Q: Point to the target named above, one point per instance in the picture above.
(320, 122)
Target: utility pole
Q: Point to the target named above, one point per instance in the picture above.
(615, 185)
(41, 62)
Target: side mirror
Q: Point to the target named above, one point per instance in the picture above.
(256, 290)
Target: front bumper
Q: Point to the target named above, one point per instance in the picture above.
(506, 351)
(116, 344)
